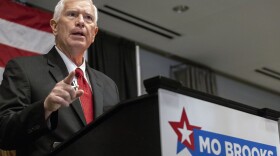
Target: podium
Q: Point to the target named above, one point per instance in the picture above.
(146, 127)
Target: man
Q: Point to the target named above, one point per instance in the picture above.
(39, 107)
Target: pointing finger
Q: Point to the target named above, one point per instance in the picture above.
(69, 78)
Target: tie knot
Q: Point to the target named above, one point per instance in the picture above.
(79, 72)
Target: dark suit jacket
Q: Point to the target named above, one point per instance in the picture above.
(26, 83)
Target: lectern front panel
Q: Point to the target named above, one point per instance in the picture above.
(194, 127)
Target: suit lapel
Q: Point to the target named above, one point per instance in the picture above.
(57, 67)
(97, 89)
(76, 105)
(59, 71)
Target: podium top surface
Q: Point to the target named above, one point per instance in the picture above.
(153, 84)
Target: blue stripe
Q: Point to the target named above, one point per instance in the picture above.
(213, 144)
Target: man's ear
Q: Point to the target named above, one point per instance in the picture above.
(53, 25)
(96, 30)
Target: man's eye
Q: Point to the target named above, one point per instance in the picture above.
(89, 18)
(72, 14)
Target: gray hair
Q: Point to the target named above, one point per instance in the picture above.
(60, 6)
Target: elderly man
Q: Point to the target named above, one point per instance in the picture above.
(46, 99)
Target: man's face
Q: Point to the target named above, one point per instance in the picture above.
(75, 30)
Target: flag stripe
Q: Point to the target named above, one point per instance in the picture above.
(22, 37)
(24, 15)
(24, 31)
(7, 53)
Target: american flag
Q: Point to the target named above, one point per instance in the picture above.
(24, 31)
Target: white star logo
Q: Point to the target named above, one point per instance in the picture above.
(185, 133)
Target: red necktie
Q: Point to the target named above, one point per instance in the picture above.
(86, 99)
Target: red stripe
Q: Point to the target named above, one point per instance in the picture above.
(7, 53)
(24, 15)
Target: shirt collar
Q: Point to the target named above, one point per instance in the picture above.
(71, 66)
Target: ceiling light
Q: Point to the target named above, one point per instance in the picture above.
(180, 8)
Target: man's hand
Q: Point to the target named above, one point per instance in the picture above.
(62, 95)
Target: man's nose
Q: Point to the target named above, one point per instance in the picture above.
(80, 21)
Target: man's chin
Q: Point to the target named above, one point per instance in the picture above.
(78, 44)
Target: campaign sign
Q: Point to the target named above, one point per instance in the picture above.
(193, 127)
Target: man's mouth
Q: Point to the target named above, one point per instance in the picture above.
(78, 33)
